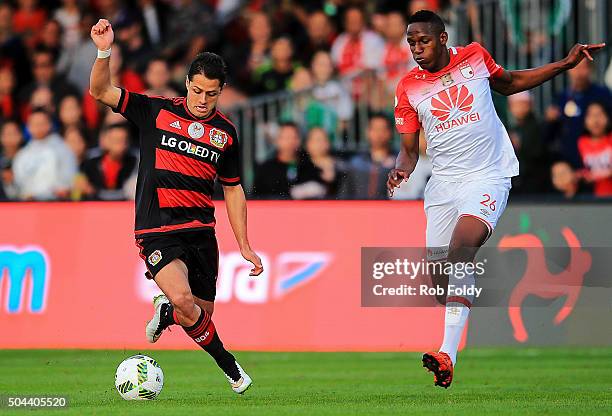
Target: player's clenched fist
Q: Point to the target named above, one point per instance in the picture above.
(102, 34)
(396, 176)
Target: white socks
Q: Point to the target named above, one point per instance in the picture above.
(457, 312)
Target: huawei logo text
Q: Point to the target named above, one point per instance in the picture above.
(450, 103)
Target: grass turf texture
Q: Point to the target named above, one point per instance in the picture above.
(496, 381)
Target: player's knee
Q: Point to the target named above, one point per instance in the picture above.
(183, 304)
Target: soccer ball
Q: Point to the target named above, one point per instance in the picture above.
(139, 378)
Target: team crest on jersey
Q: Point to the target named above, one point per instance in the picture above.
(466, 69)
(447, 79)
(218, 138)
(154, 258)
(195, 130)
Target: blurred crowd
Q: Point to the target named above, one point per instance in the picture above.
(57, 143)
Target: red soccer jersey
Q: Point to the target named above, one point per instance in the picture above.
(597, 157)
(181, 156)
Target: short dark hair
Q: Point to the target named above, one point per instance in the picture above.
(209, 64)
(289, 123)
(40, 110)
(44, 50)
(427, 16)
(383, 117)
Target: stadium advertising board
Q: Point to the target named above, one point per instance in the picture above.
(72, 278)
(87, 268)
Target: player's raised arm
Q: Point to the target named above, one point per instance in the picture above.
(235, 204)
(100, 86)
(511, 82)
(406, 161)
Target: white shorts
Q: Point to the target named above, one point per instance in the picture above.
(446, 202)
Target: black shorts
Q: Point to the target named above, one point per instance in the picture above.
(199, 251)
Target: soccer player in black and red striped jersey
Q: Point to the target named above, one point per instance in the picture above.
(185, 144)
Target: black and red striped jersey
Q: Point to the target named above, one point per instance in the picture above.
(180, 158)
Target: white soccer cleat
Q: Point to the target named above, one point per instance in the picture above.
(156, 326)
(243, 383)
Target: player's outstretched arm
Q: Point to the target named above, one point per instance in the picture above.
(100, 86)
(511, 82)
(235, 204)
(406, 161)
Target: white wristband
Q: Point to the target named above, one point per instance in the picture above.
(104, 54)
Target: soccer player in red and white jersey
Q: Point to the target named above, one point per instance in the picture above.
(448, 95)
(185, 145)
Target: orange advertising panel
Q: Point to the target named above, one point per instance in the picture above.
(71, 277)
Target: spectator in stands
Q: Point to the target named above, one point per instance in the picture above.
(414, 188)
(107, 172)
(332, 106)
(70, 113)
(112, 10)
(320, 36)
(566, 181)
(595, 148)
(41, 98)
(567, 116)
(378, 20)
(70, 117)
(43, 68)
(231, 96)
(157, 79)
(396, 58)
(136, 51)
(526, 136)
(28, 20)
(245, 59)
(45, 168)
(368, 172)
(275, 177)
(301, 80)
(319, 172)
(8, 103)
(75, 140)
(76, 61)
(12, 50)
(191, 29)
(11, 140)
(68, 15)
(276, 75)
(151, 15)
(51, 38)
(357, 48)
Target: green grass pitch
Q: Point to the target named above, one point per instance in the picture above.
(492, 381)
